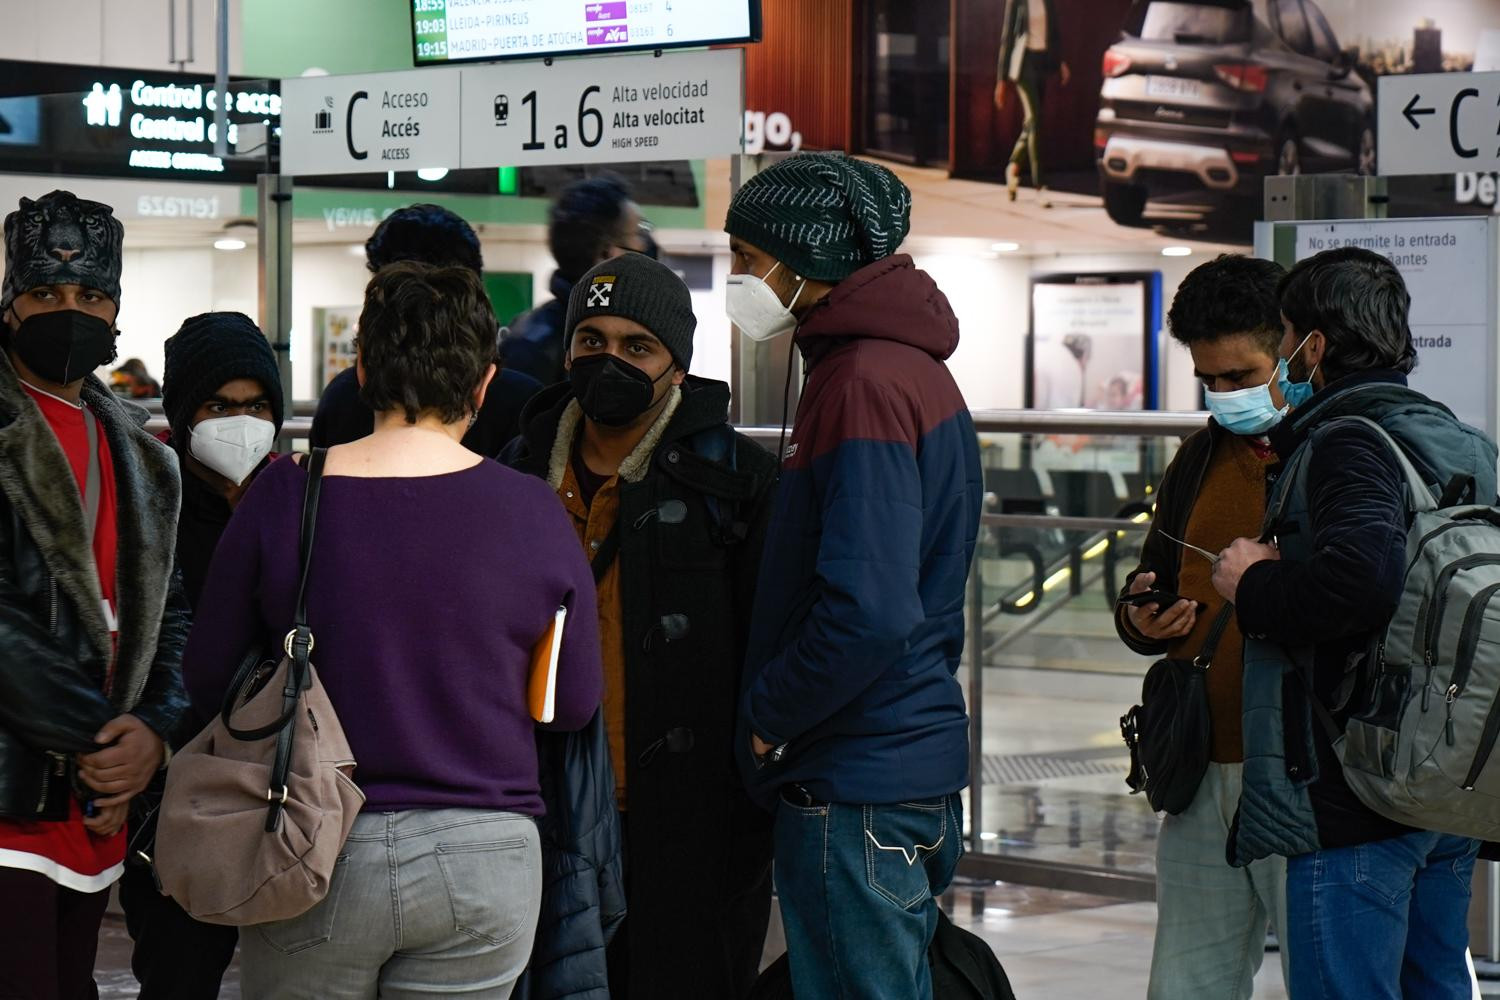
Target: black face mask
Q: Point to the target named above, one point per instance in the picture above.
(611, 392)
(64, 346)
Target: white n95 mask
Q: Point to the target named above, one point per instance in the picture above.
(756, 309)
(232, 446)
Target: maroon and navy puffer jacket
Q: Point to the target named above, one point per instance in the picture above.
(859, 619)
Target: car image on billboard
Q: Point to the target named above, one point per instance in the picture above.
(1206, 98)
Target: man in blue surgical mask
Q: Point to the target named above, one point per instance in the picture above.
(1211, 918)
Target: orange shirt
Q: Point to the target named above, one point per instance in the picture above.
(1231, 504)
(593, 523)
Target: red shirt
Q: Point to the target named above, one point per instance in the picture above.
(65, 851)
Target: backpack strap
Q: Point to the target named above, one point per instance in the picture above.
(1458, 487)
(1419, 497)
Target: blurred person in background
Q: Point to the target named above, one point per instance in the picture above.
(427, 234)
(133, 381)
(592, 220)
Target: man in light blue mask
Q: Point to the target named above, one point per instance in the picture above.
(1211, 918)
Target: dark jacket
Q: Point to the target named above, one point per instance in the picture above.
(534, 344)
(583, 868)
(1318, 608)
(1016, 25)
(54, 642)
(204, 516)
(859, 616)
(342, 416)
(1176, 496)
(692, 528)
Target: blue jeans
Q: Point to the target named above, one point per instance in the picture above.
(857, 886)
(1381, 921)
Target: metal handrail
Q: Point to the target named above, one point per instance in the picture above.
(1143, 423)
(1161, 423)
(1138, 423)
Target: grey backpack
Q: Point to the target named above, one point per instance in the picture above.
(1419, 751)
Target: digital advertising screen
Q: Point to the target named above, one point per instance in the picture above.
(448, 31)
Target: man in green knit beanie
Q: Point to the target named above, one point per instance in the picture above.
(852, 726)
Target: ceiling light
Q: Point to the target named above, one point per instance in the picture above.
(229, 244)
(1176, 251)
(1005, 247)
(432, 173)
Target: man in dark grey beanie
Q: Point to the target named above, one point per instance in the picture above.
(854, 729)
(670, 506)
(221, 392)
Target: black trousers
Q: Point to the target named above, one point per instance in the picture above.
(745, 920)
(175, 957)
(49, 937)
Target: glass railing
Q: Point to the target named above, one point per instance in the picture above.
(1068, 500)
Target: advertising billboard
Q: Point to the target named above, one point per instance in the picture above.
(1173, 109)
(1135, 113)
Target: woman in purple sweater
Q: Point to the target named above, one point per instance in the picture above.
(434, 574)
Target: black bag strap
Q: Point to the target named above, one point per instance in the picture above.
(299, 646)
(1216, 631)
(249, 668)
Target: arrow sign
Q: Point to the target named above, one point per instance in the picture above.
(1436, 123)
(1412, 111)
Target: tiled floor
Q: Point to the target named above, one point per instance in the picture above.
(1054, 946)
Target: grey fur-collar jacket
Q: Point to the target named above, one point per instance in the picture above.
(56, 686)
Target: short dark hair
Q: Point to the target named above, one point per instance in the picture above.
(427, 233)
(1229, 295)
(585, 221)
(426, 336)
(1358, 300)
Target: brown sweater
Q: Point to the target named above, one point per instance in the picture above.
(1231, 504)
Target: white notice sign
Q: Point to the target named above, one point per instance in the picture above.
(682, 106)
(1439, 123)
(370, 123)
(1448, 268)
(606, 109)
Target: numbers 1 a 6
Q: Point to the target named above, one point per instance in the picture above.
(590, 124)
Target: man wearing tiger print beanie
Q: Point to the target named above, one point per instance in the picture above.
(853, 727)
(92, 620)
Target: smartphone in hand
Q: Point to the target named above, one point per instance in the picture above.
(1163, 599)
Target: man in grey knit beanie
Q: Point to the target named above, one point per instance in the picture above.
(852, 727)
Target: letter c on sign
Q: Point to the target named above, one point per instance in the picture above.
(1458, 103)
(358, 154)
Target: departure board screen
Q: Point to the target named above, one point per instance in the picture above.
(446, 31)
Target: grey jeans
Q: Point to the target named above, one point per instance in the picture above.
(423, 903)
(1210, 918)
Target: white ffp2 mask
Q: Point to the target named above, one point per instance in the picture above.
(756, 309)
(232, 446)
